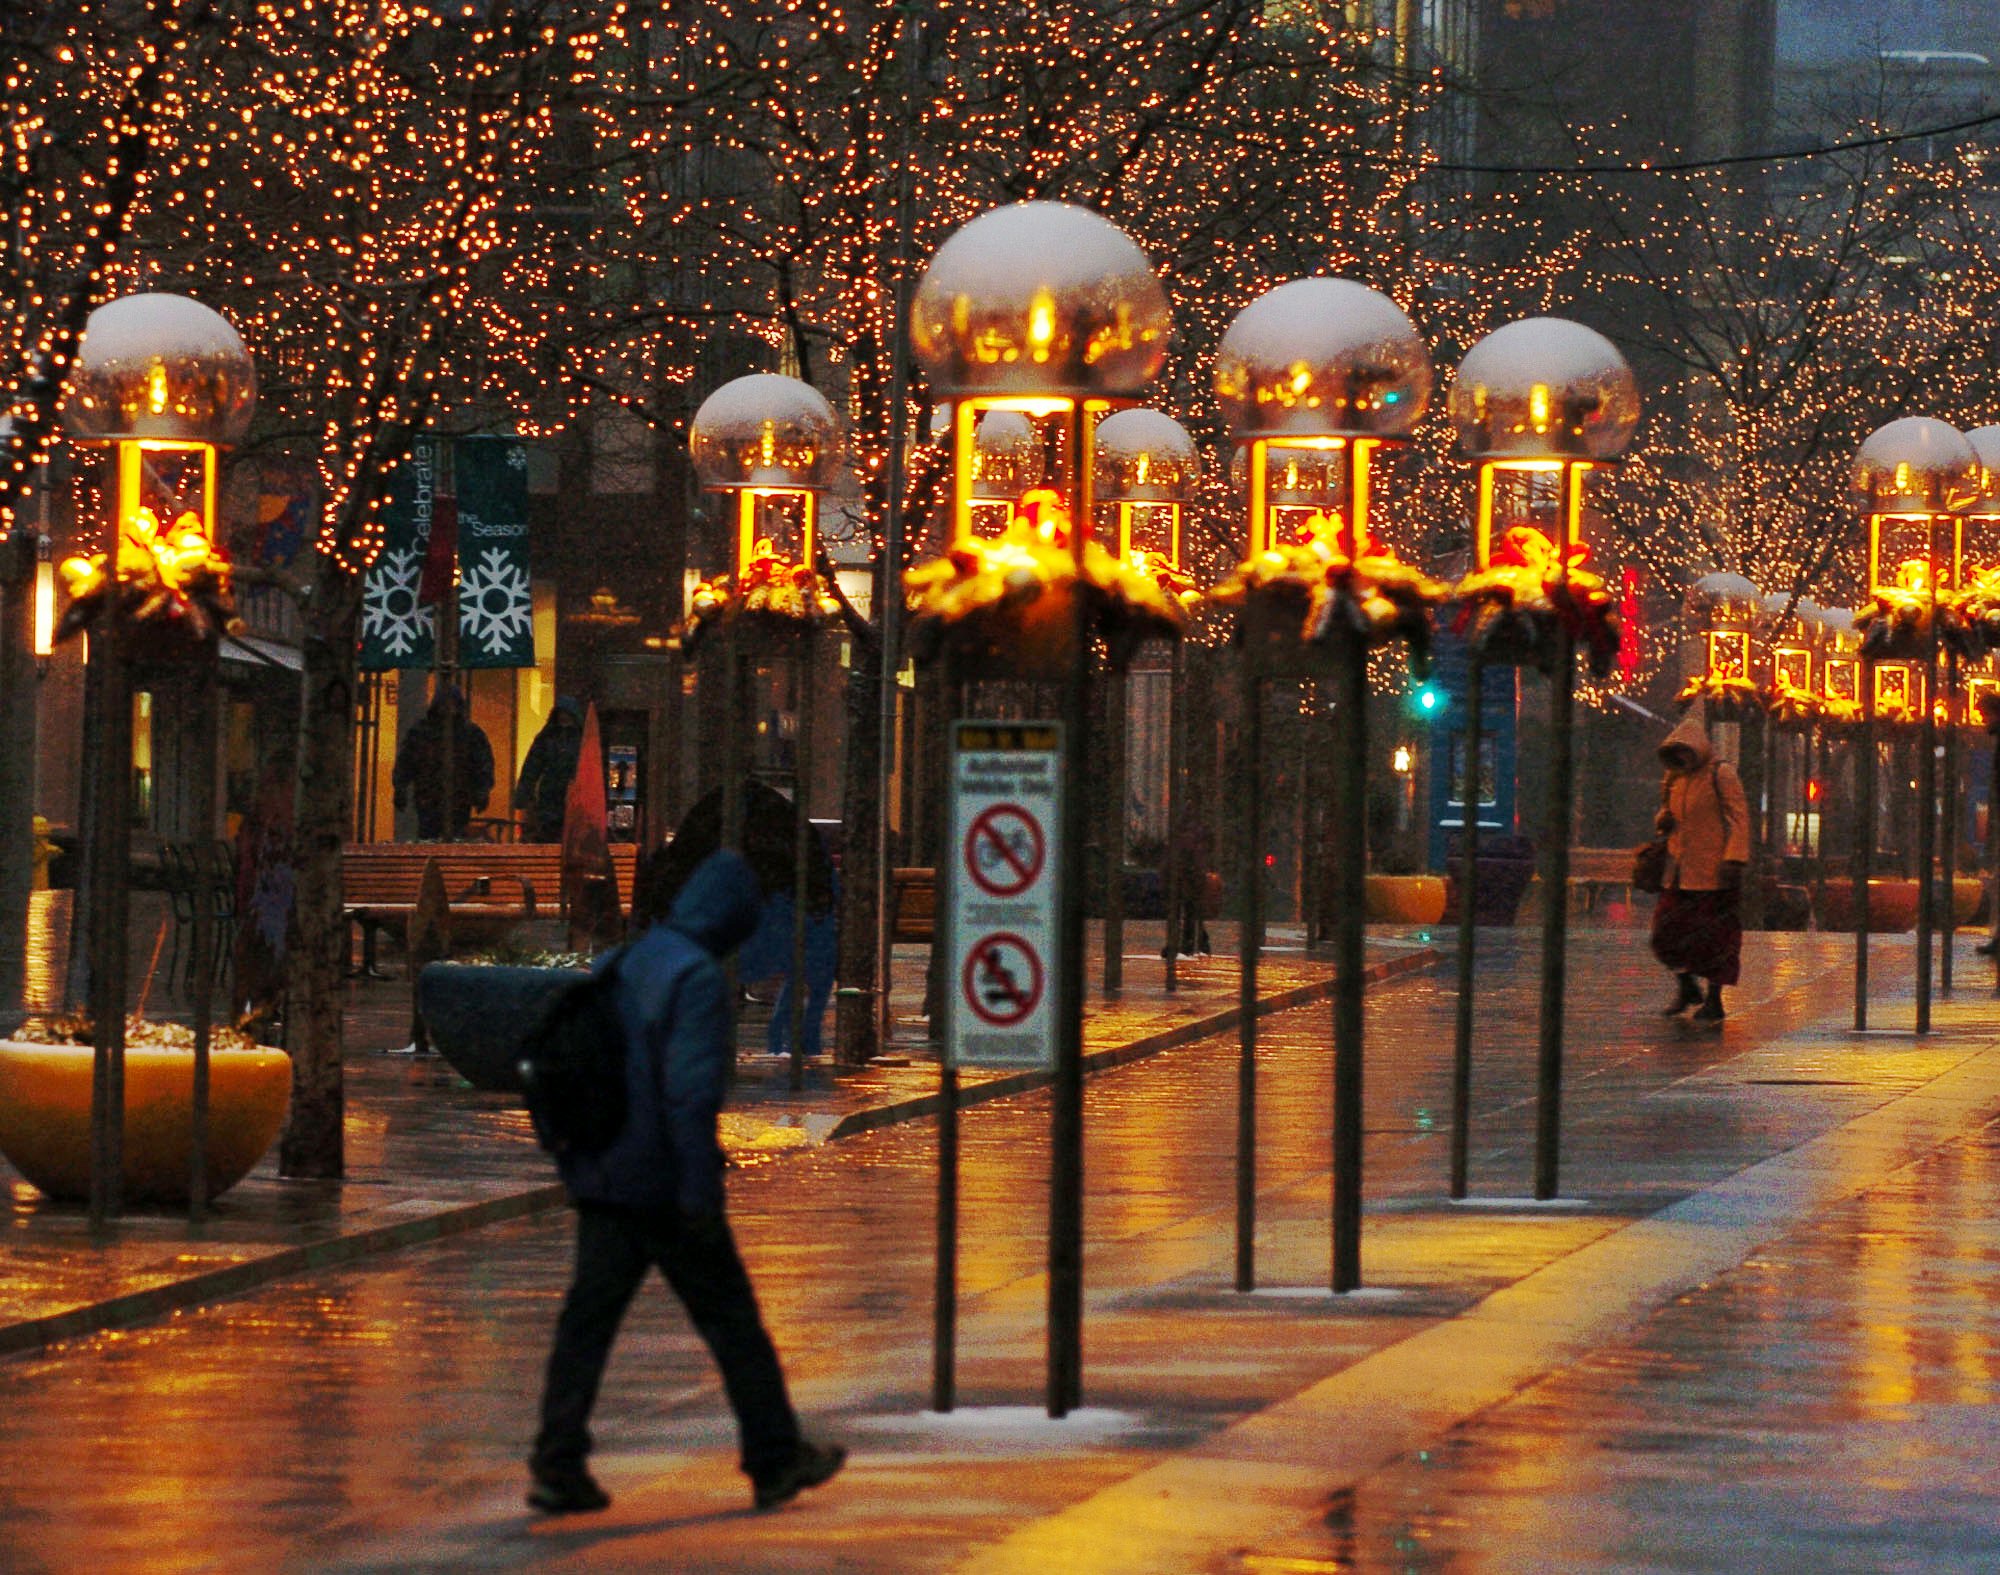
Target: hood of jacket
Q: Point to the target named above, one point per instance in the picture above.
(1689, 735)
(569, 706)
(719, 906)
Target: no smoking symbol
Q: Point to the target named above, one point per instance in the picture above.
(1002, 979)
(1004, 850)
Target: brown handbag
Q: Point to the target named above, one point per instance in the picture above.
(1649, 865)
(1649, 859)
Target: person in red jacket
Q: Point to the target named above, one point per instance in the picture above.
(1698, 926)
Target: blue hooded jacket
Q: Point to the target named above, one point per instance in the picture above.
(673, 999)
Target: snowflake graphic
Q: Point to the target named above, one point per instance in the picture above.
(389, 610)
(495, 606)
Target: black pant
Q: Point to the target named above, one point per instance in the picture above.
(614, 1247)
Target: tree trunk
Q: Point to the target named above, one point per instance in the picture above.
(862, 803)
(313, 1143)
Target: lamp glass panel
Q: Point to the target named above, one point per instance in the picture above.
(1150, 528)
(1728, 653)
(1909, 553)
(982, 506)
(1793, 665)
(1979, 552)
(778, 520)
(1525, 495)
(1840, 677)
(172, 489)
(1898, 692)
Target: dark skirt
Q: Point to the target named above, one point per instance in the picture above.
(1700, 932)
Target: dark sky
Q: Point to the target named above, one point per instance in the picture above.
(1815, 30)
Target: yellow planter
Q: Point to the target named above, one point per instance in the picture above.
(45, 1116)
(1403, 899)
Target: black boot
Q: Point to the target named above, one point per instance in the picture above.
(1686, 993)
(1711, 1009)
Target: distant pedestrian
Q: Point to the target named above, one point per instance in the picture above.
(444, 732)
(1698, 926)
(654, 1198)
(548, 771)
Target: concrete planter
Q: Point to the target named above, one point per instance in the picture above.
(1403, 899)
(1892, 906)
(476, 1014)
(45, 1116)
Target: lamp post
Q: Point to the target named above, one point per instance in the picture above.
(165, 383)
(1789, 702)
(1328, 367)
(773, 444)
(1537, 405)
(1147, 469)
(1724, 610)
(1049, 311)
(1913, 476)
(1977, 589)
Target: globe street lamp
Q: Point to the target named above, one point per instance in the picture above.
(1147, 470)
(774, 444)
(1321, 367)
(1051, 312)
(1913, 477)
(1537, 405)
(165, 383)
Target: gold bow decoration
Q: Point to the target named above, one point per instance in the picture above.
(989, 579)
(1728, 696)
(1374, 594)
(171, 579)
(1513, 609)
(771, 585)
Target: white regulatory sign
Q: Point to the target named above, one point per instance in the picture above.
(1000, 922)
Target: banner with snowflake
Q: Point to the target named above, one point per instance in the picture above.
(397, 630)
(496, 626)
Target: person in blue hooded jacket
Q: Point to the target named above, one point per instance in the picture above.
(654, 1198)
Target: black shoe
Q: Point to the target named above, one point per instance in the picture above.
(812, 1465)
(1984, 949)
(1686, 993)
(1710, 1011)
(571, 1493)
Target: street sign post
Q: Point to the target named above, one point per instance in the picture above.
(1001, 932)
(1006, 780)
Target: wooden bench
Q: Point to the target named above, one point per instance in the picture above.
(912, 906)
(1595, 872)
(490, 887)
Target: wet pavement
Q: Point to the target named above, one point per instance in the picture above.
(1755, 1334)
(427, 1155)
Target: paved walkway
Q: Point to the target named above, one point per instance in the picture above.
(1756, 1334)
(428, 1156)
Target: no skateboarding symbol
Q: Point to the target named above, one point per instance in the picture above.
(1004, 850)
(1002, 979)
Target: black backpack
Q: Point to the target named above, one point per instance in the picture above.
(572, 1065)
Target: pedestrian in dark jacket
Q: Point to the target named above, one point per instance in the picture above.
(419, 773)
(546, 774)
(654, 1198)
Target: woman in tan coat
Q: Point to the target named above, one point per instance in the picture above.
(1697, 927)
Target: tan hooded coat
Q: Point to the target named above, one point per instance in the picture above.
(1711, 819)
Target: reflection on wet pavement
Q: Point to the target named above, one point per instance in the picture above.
(374, 1418)
(1831, 1405)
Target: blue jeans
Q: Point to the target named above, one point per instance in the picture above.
(698, 1258)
